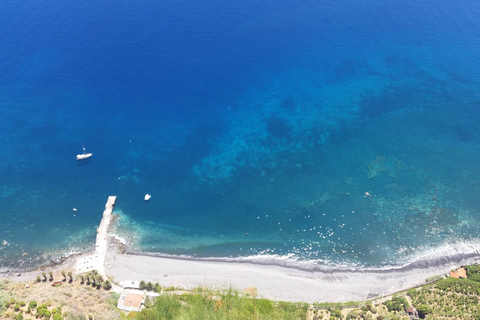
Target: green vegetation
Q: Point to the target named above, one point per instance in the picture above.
(4, 296)
(473, 272)
(151, 287)
(107, 285)
(452, 298)
(228, 305)
(32, 304)
(397, 304)
(434, 278)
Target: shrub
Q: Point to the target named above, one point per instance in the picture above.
(149, 286)
(338, 313)
(473, 272)
(107, 285)
(423, 310)
(41, 309)
(57, 313)
(57, 316)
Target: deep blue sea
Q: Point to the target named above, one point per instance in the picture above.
(328, 132)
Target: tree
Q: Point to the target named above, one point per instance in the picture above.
(44, 277)
(64, 276)
(50, 273)
(142, 285)
(99, 281)
(70, 276)
(423, 310)
(39, 279)
(82, 279)
(149, 286)
(107, 285)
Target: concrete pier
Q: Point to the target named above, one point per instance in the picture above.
(97, 260)
(101, 245)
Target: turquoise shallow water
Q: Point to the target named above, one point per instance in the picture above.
(334, 134)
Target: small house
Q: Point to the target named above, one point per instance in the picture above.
(412, 313)
(460, 273)
(131, 302)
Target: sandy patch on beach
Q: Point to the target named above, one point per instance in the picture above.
(275, 282)
(271, 281)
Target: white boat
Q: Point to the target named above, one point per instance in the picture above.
(84, 156)
(147, 197)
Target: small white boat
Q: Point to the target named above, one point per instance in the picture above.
(147, 197)
(84, 156)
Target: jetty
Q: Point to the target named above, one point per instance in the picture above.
(96, 261)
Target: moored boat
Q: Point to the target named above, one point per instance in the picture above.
(84, 156)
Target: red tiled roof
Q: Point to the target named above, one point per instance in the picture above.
(462, 273)
(133, 300)
(459, 273)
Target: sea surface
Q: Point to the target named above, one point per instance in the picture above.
(330, 133)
